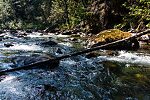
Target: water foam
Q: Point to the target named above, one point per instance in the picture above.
(129, 57)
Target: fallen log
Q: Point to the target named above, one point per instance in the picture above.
(51, 62)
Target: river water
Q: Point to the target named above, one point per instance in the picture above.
(108, 76)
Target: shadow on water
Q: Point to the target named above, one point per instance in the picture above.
(124, 76)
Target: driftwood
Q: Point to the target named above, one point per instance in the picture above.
(54, 61)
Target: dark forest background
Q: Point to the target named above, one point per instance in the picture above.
(87, 15)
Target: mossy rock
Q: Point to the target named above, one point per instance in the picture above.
(112, 35)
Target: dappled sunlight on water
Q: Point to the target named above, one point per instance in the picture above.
(129, 57)
(7, 78)
(105, 77)
(23, 47)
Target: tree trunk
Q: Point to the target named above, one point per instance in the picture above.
(66, 12)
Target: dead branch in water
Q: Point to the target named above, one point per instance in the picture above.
(53, 61)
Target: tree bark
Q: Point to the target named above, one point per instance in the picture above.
(66, 11)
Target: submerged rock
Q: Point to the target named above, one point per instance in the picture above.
(8, 44)
(112, 66)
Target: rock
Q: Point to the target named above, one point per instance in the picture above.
(26, 60)
(68, 32)
(1, 31)
(112, 53)
(135, 44)
(145, 38)
(54, 30)
(28, 31)
(3, 77)
(92, 54)
(22, 34)
(8, 44)
(111, 35)
(102, 53)
(13, 31)
(49, 43)
(2, 35)
(59, 51)
(73, 39)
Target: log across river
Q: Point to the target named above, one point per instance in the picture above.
(54, 62)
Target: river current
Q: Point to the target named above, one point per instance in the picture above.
(124, 76)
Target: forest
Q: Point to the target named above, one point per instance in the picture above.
(87, 15)
(74, 49)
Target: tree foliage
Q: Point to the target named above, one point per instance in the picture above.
(90, 15)
(138, 16)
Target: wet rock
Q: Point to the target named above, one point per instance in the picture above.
(28, 31)
(59, 51)
(92, 54)
(49, 43)
(68, 32)
(135, 44)
(2, 77)
(76, 30)
(26, 60)
(144, 46)
(145, 38)
(102, 53)
(21, 34)
(73, 39)
(2, 35)
(8, 44)
(18, 33)
(112, 53)
(13, 31)
(1, 31)
(54, 30)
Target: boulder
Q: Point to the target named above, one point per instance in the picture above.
(26, 60)
(111, 35)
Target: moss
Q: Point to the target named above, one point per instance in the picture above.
(111, 35)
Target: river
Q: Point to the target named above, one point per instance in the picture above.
(111, 75)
